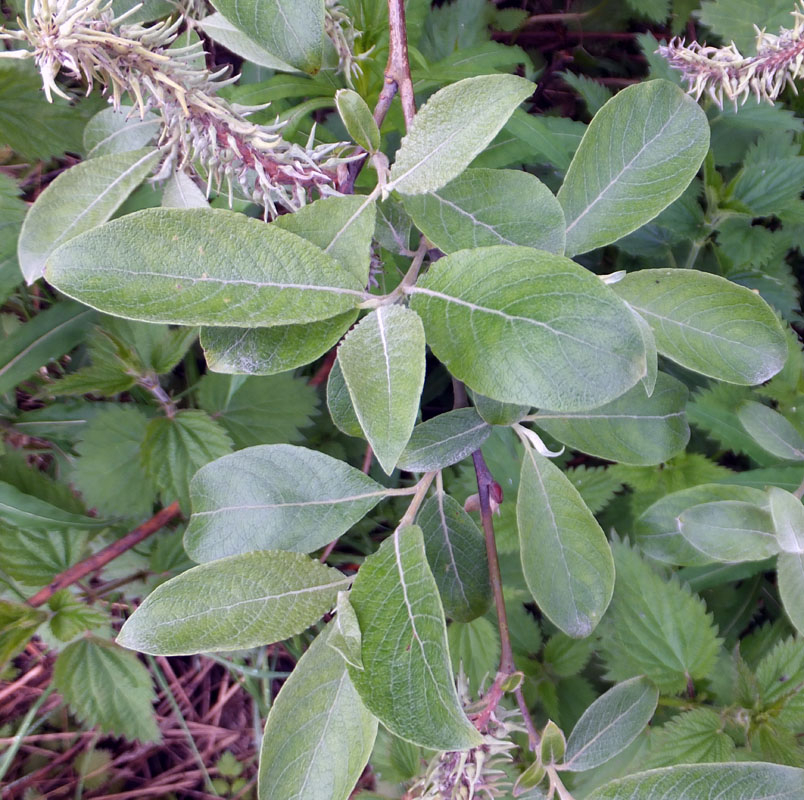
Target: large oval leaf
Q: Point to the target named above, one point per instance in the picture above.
(275, 497)
(234, 603)
(82, 197)
(633, 429)
(202, 267)
(639, 153)
(708, 324)
(452, 127)
(528, 327)
(319, 735)
(771, 431)
(406, 678)
(566, 559)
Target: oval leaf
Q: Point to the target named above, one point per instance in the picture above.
(637, 156)
(452, 127)
(340, 405)
(528, 327)
(406, 678)
(566, 559)
(275, 497)
(119, 130)
(497, 413)
(202, 267)
(771, 431)
(242, 601)
(788, 519)
(790, 580)
(357, 119)
(318, 735)
(708, 324)
(181, 191)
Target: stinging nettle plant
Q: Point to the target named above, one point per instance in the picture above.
(496, 275)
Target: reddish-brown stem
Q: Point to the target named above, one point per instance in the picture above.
(103, 557)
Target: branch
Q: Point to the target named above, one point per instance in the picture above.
(103, 557)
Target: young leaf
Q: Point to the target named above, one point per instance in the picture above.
(708, 324)
(406, 680)
(18, 623)
(201, 266)
(610, 724)
(444, 440)
(72, 616)
(452, 127)
(771, 431)
(456, 552)
(318, 735)
(357, 119)
(382, 360)
(275, 497)
(565, 556)
(637, 156)
(633, 429)
(81, 198)
(236, 602)
(484, 207)
(528, 327)
(106, 686)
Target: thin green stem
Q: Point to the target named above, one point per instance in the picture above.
(22, 731)
(418, 498)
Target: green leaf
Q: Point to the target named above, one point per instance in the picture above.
(456, 552)
(357, 119)
(633, 429)
(49, 335)
(108, 472)
(735, 781)
(81, 198)
(528, 327)
(268, 351)
(340, 404)
(293, 30)
(107, 687)
(18, 623)
(484, 207)
(318, 736)
(565, 556)
(497, 413)
(596, 485)
(790, 580)
(452, 127)
(181, 191)
(734, 20)
(708, 324)
(780, 673)
(788, 519)
(444, 440)
(407, 681)
(610, 724)
(730, 530)
(202, 267)
(345, 636)
(566, 657)
(382, 361)
(72, 616)
(275, 497)
(594, 94)
(637, 156)
(233, 603)
(655, 627)
(35, 557)
(771, 431)
(119, 130)
(175, 447)
(259, 410)
(474, 648)
(693, 737)
(32, 514)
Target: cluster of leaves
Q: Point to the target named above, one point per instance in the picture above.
(652, 593)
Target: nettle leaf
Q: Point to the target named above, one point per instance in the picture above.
(771, 431)
(444, 440)
(407, 680)
(693, 737)
(735, 781)
(175, 447)
(730, 530)
(181, 191)
(734, 20)
(275, 497)
(474, 648)
(708, 324)
(497, 413)
(633, 429)
(340, 404)
(107, 687)
(382, 361)
(318, 736)
(655, 627)
(610, 724)
(484, 207)
(233, 603)
(18, 623)
(35, 557)
(656, 530)
(565, 556)
(268, 351)
(293, 30)
(81, 198)
(357, 119)
(637, 156)
(452, 127)
(202, 267)
(119, 130)
(108, 471)
(72, 616)
(456, 552)
(259, 410)
(528, 327)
